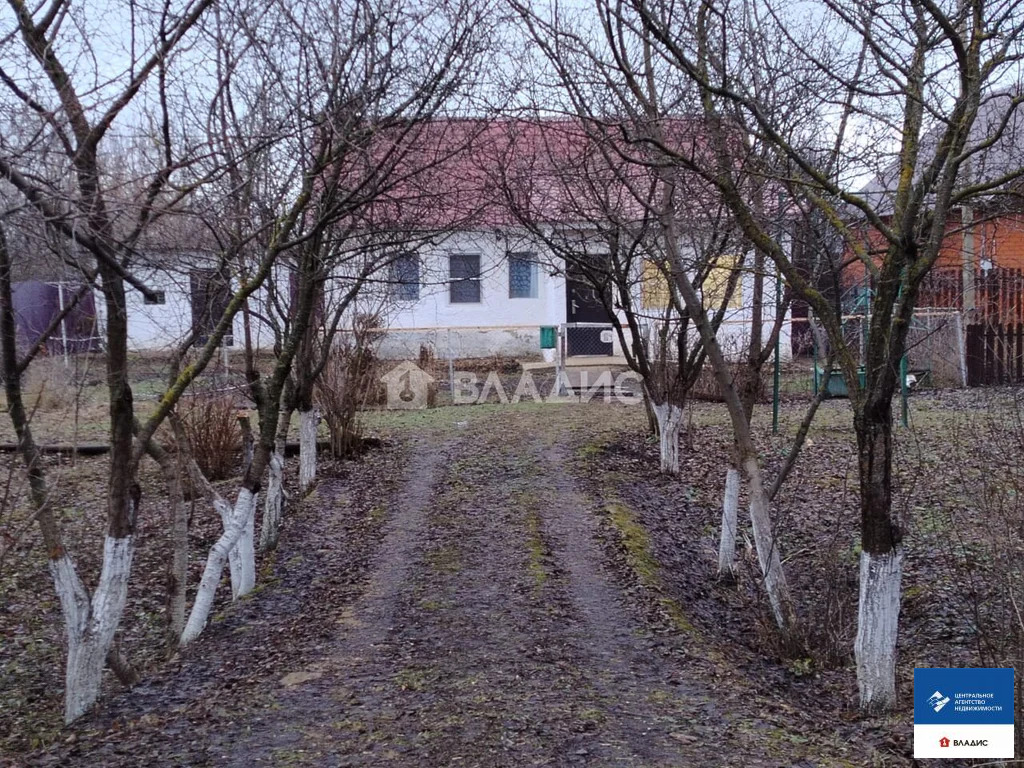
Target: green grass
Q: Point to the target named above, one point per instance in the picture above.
(637, 544)
(538, 550)
(412, 679)
(446, 559)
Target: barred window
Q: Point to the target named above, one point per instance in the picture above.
(405, 277)
(522, 276)
(464, 274)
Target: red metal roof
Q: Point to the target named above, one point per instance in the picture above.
(477, 173)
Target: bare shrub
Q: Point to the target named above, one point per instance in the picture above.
(211, 424)
(49, 386)
(707, 388)
(497, 363)
(828, 605)
(831, 621)
(982, 541)
(350, 382)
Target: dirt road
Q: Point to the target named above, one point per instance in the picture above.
(457, 610)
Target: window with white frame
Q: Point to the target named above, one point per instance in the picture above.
(522, 276)
(405, 277)
(464, 277)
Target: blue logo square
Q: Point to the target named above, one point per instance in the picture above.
(945, 696)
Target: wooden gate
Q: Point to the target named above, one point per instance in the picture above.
(995, 354)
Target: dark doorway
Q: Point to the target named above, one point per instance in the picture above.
(210, 295)
(583, 304)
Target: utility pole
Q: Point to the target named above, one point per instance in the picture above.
(967, 223)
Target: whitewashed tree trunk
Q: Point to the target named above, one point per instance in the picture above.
(241, 556)
(878, 617)
(235, 560)
(274, 500)
(730, 506)
(670, 420)
(246, 552)
(236, 523)
(308, 423)
(91, 625)
(75, 606)
(273, 503)
(767, 547)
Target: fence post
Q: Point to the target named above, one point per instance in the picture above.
(988, 338)
(451, 366)
(904, 401)
(777, 371)
(961, 347)
(63, 323)
(560, 364)
(1020, 352)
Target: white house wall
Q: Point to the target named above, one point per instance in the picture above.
(161, 327)
(734, 332)
(496, 324)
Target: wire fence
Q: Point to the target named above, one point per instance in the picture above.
(936, 346)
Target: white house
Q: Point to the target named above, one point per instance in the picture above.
(485, 293)
(473, 294)
(476, 283)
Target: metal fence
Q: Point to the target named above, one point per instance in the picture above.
(936, 345)
(589, 339)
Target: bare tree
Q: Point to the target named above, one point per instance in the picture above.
(358, 80)
(631, 82)
(588, 199)
(368, 81)
(57, 168)
(921, 88)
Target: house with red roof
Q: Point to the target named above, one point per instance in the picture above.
(468, 234)
(503, 201)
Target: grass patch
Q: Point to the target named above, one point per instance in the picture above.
(593, 449)
(411, 679)
(445, 560)
(267, 566)
(538, 551)
(637, 544)
(591, 715)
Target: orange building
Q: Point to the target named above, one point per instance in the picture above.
(980, 269)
